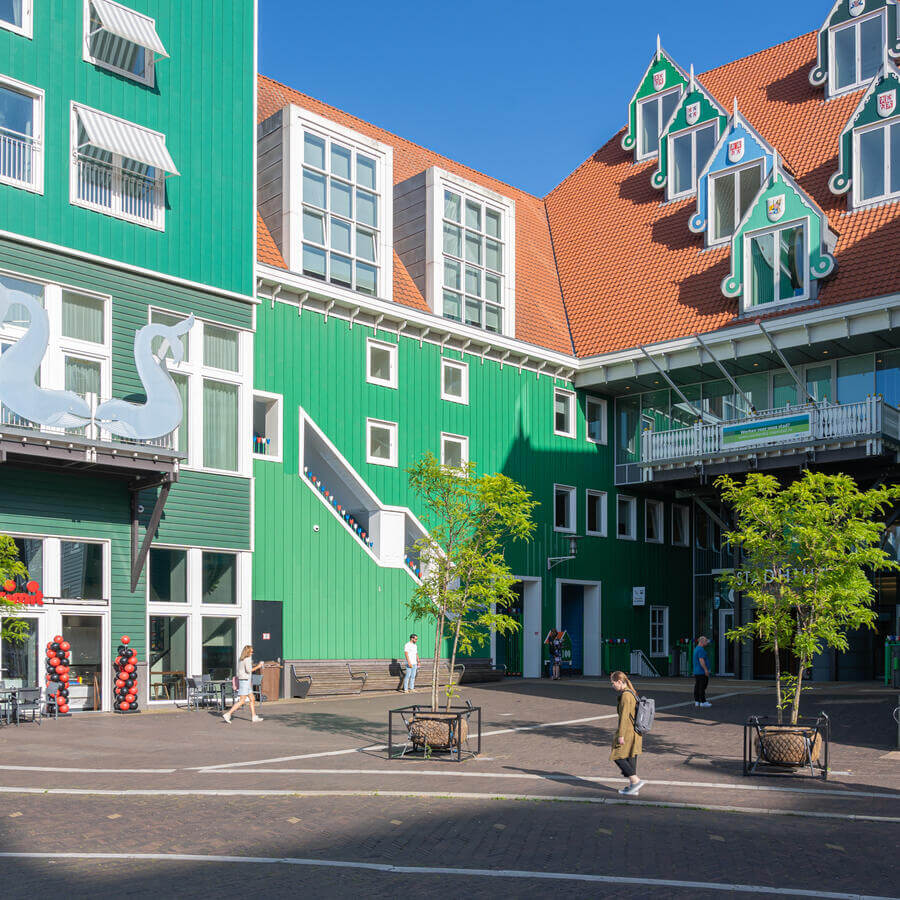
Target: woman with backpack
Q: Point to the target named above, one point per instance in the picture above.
(627, 743)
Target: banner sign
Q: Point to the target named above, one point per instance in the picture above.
(766, 431)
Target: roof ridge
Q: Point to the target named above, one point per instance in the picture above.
(398, 137)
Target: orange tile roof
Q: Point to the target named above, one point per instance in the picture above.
(540, 316)
(631, 271)
(266, 249)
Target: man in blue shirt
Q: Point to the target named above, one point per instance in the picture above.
(701, 672)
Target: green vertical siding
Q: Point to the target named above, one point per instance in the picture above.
(202, 101)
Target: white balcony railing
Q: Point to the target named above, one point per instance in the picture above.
(16, 156)
(819, 423)
(125, 194)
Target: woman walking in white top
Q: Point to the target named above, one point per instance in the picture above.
(245, 670)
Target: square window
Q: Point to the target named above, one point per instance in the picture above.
(681, 527)
(856, 53)
(220, 347)
(452, 206)
(167, 576)
(452, 277)
(83, 317)
(381, 442)
(219, 577)
(595, 414)
(563, 508)
(219, 647)
(21, 129)
(653, 522)
(365, 171)
(314, 151)
(381, 365)
(563, 413)
(340, 161)
(267, 426)
(659, 630)
(626, 518)
(454, 451)
(595, 504)
(16, 16)
(120, 39)
(81, 571)
(777, 265)
(454, 381)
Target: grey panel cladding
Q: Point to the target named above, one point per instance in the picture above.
(409, 227)
(270, 175)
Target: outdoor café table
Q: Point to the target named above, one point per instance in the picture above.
(7, 704)
(221, 688)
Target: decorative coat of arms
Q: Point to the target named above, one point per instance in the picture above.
(887, 103)
(659, 80)
(692, 112)
(775, 207)
(857, 7)
(736, 150)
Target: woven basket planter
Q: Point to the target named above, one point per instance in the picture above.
(785, 745)
(437, 730)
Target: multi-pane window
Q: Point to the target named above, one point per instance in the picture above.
(777, 265)
(563, 413)
(219, 577)
(653, 114)
(653, 522)
(680, 525)
(341, 212)
(167, 576)
(596, 513)
(857, 52)
(21, 124)
(220, 347)
(689, 152)
(563, 507)
(81, 571)
(731, 194)
(381, 442)
(221, 407)
(381, 363)
(626, 517)
(659, 630)
(474, 258)
(121, 39)
(83, 317)
(877, 163)
(454, 381)
(595, 413)
(16, 15)
(454, 451)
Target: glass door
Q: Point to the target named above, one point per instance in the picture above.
(85, 634)
(19, 661)
(168, 657)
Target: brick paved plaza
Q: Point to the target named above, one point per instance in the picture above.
(308, 800)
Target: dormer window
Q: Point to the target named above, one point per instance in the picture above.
(653, 115)
(877, 163)
(777, 265)
(689, 151)
(731, 193)
(857, 51)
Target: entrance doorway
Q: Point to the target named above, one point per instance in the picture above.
(85, 634)
(572, 622)
(578, 613)
(531, 627)
(725, 649)
(509, 646)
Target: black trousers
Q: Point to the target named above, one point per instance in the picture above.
(700, 683)
(627, 767)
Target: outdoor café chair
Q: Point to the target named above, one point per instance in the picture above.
(7, 703)
(195, 695)
(256, 687)
(28, 705)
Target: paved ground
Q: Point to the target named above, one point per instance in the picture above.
(154, 804)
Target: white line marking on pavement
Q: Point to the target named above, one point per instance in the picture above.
(446, 870)
(443, 795)
(260, 762)
(599, 779)
(98, 771)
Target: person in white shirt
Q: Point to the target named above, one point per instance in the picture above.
(411, 653)
(245, 670)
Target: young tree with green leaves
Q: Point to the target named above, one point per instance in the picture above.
(11, 567)
(806, 551)
(466, 582)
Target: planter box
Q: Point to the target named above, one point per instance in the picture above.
(787, 747)
(427, 732)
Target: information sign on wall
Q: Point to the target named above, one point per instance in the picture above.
(638, 596)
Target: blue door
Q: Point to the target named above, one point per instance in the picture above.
(573, 622)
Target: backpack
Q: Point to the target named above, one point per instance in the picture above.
(644, 714)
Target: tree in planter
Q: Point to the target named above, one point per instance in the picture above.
(805, 551)
(466, 582)
(11, 628)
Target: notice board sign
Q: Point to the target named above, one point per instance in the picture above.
(638, 596)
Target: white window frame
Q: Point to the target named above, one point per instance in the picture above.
(27, 27)
(602, 497)
(660, 519)
(684, 513)
(833, 90)
(391, 349)
(296, 121)
(36, 185)
(278, 400)
(600, 401)
(885, 125)
(632, 528)
(158, 222)
(735, 172)
(643, 154)
(197, 372)
(437, 181)
(462, 440)
(656, 611)
(696, 169)
(392, 430)
(571, 493)
(746, 302)
(573, 426)
(149, 77)
(463, 368)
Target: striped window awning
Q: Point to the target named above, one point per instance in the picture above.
(129, 25)
(115, 135)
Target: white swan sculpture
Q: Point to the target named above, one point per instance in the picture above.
(162, 412)
(19, 366)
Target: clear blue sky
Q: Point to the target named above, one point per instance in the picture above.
(521, 91)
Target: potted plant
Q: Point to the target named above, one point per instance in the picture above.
(804, 554)
(466, 583)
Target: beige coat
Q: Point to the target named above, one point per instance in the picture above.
(633, 743)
